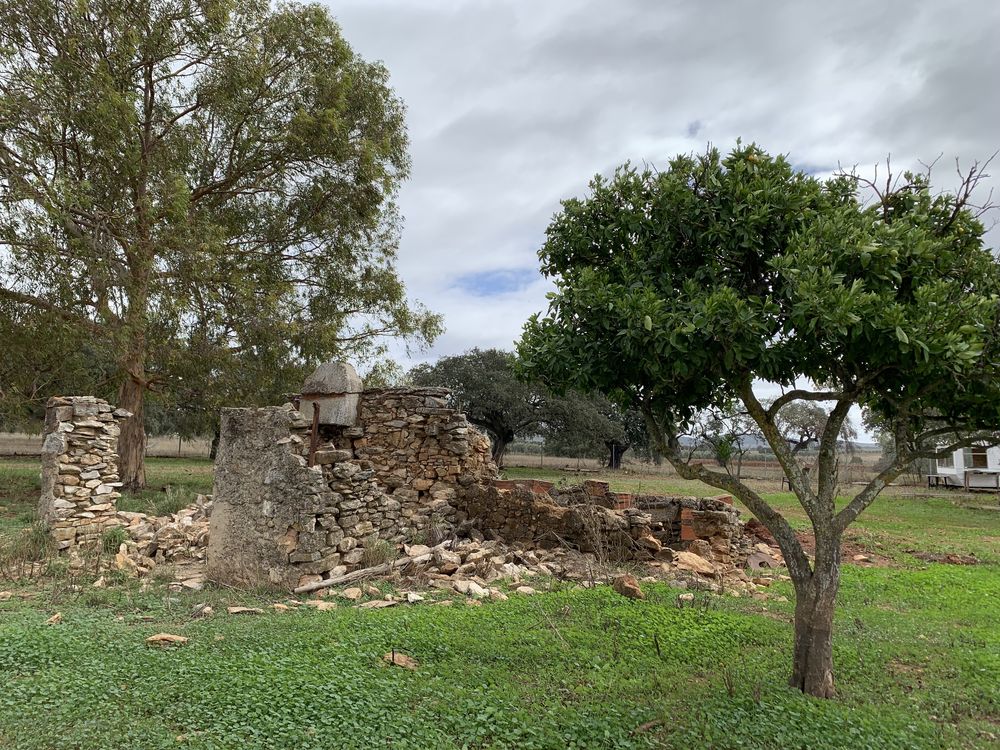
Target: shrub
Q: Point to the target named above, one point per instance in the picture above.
(33, 544)
(112, 539)
(377, 552)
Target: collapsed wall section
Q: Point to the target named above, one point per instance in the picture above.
(80, 480)
(307, 492)
(296, 500)
(591, 518)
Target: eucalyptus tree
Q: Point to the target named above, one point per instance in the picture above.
(677, 289)
(207, 171)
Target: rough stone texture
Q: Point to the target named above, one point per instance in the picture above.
(628, 586)
(292, 508)
(179, 537)
(527, 517)
(336, 389)
(264, 496)
(590, 518)
(80, 469)
(389, 479)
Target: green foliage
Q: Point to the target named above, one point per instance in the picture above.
(30, 372)
(160, 500)
(112, 539)
(675, 287)
(483, 384)
(486, 385)
(802, 425)
(593, 425)
(203, 194)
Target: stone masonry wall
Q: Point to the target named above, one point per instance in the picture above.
(338, 481)
(592, 518)
(392, 477)
(80, 469)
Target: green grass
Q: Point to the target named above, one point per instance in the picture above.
(172, 483)
(19, 488)
(917, 654)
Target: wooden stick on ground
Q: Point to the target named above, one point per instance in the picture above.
(359, 575)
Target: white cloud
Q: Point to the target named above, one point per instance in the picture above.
(514, 105)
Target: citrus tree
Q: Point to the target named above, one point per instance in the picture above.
(677, 290)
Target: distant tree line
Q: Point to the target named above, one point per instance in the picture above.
(487, 386)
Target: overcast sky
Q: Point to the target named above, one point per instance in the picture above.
(515, 105)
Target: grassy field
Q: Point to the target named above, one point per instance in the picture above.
(917, 655)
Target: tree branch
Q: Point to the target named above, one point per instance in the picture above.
(827, 464)
(669, 447)
(41, 304)
(796, 477)
(800, 395)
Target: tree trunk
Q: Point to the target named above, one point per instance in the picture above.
(500, 443)
(132, 441)
(812, 662)
(617, 452)
(213, 451)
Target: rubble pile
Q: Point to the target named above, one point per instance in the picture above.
(615, 526)
(474, 567)
(471, 566)
(182, 536)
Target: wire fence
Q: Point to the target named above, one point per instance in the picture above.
(161, 446)
(857, 471)
(767, 470)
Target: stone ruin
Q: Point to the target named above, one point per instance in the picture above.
(346, 478)
(617, 526)
(310, 493)
(307, 492)
(80, 469)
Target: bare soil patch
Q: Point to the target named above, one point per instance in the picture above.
(949, 558)
(851, 551)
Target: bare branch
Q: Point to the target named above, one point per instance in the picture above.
(800, 395)
(867, 496)
(827, 463)
(796, 477)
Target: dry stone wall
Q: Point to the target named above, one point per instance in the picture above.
(80, 469)
(591, 518)
(291, 509)
(338, 481)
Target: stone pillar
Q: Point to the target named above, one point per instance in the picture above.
(80, 469)
(268, 507)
